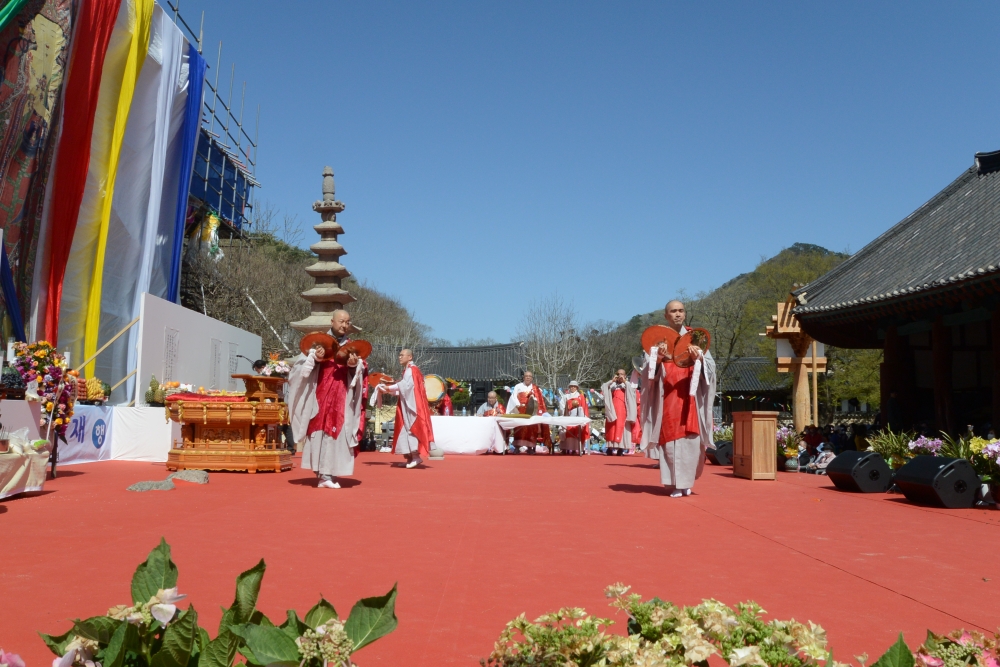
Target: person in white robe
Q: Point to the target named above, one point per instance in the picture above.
(574, 404)
(529, 439)
(619, 413)
(412, 430)
(677, 410)
(326, 405)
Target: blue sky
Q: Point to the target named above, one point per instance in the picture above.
(615, 153)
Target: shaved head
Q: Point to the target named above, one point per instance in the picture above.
(674, 314)
(405, 356)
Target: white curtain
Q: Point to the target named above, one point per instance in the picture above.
(145, 197)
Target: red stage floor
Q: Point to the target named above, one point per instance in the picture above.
(475, 541)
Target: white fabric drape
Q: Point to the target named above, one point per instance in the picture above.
(145, 196)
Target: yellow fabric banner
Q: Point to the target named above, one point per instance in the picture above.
(80, 311)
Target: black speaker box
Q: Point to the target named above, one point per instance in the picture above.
(864, 472)
(722, 455)
(936, 480)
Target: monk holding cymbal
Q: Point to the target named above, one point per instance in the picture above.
(678, 392)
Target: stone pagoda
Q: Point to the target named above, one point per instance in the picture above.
(327, 296)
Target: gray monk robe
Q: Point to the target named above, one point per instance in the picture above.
(679, 437)
(618, 427)
(326, 402)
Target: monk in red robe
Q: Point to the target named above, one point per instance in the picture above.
(413, 432)
(529, 439)
(677, 419)
(620, 413)
(326, 400)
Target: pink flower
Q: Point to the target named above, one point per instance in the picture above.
(987, 659)
(929, 660)
(10, 659)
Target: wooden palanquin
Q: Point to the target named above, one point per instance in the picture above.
(231, 435)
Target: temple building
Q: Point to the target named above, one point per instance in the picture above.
(927, 292)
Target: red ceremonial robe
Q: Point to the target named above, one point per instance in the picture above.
(616, 429)
(581, 433)
(538, 431)
(422, 429)
(444, 407)
(331, 393)
(637, 424)
(680, 412)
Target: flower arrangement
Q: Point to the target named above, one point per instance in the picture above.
(925, 445)
(154, 631)
(891, 446)
(787, 439)
(661, 634)
(959, 648)
(275, 366)
(40, 362)
(722, 433)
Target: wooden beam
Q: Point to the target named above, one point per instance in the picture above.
(996, 366)
(941, 351)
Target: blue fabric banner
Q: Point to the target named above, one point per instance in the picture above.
(10, 295)
(192, 125)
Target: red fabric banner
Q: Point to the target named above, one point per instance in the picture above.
(92, 34)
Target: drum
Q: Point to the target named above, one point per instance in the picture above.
(699, 337)
(435, 386)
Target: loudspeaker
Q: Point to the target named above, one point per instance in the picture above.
(936, 480)
(722, 455)
(865, 472)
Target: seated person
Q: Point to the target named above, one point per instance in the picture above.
(491, 408)
(823, 457)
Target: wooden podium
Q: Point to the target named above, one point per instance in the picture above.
(755, 447)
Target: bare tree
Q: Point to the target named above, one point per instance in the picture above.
(556, 343)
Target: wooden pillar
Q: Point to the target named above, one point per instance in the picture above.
(800, 396)
(889, 375)
(941, 351)
(996, 368)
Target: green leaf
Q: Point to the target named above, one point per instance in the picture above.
(180, 639)
(98, 628)
(221, 651)
(292, 626)
(270, 646)
(247, 589)
(57, 644)
(125, 639)
(321, 612)
(258, 618)
(898, 655)
(157, 572)
(372, 618)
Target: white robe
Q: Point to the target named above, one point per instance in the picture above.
(322, 453)
(681, 460)
(406, 442)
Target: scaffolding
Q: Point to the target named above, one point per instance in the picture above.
(224, 176)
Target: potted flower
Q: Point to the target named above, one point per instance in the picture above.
(787, 440)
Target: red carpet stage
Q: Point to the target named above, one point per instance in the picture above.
(475, 541)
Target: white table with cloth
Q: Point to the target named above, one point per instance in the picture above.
(20, 473)
(467, 435)
(478, 435)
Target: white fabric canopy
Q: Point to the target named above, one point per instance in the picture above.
(467, 435)
(145, 198)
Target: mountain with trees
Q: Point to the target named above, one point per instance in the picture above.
(735, 313)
